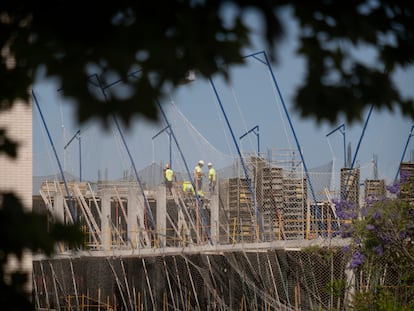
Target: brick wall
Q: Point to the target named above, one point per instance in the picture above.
(16, 174)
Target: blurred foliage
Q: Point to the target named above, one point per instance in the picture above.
(382, 299)
(74, 40)
(21, 231)
(88, 44)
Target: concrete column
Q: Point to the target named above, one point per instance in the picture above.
(214, 218)
(132, 225)
(105, 221)
(58, 215)
(161, 222)
(58, 207)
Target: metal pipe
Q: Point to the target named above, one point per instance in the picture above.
(257, 136)
(72, 209)
(258, 214)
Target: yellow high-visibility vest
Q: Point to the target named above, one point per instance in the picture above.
(187, 187)
(212, 174)
(169, 174)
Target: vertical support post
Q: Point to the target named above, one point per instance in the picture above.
(214, 218)
(161, 215)
(58, 207)
(58, 213)
(246, 174)
(105, 221)
(132, 216)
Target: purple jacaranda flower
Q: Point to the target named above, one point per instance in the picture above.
(371, 200)
(343, 215)
(356, 260)
(378, 250)
(353, 215)
(338, 204)
(345, 210)
(346, 234)
(404, 175)
(403, 235)
(370, 227)
(394, 188)
(377, 215)
(342, 205)
(346, 231)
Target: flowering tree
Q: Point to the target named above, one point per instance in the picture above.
(382, 248)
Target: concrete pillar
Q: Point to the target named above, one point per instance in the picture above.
(105, 221)
(58, 214)
(58, 207)
(214, 218)
(132, 225)
(161, 221)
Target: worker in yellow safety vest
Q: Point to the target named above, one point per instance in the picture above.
(188, 187)
(212, 177)
(198, 176)
(168, 177)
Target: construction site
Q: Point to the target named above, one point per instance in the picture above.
(232, 249)
(267, 237)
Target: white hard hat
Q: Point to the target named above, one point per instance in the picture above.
(209, 164)
(201, 162)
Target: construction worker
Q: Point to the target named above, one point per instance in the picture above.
(198, 176)
(188, 187)
(211, 177)
(168, 177)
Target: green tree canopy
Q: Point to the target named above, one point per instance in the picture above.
(72, 40)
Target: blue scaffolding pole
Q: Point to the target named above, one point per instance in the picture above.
(258, 214)
(255, 130)
(72, 209)
(78, 137)
(169, 134)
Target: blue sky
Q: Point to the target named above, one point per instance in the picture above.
(250, 100)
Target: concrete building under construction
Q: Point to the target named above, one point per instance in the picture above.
(242, 247)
